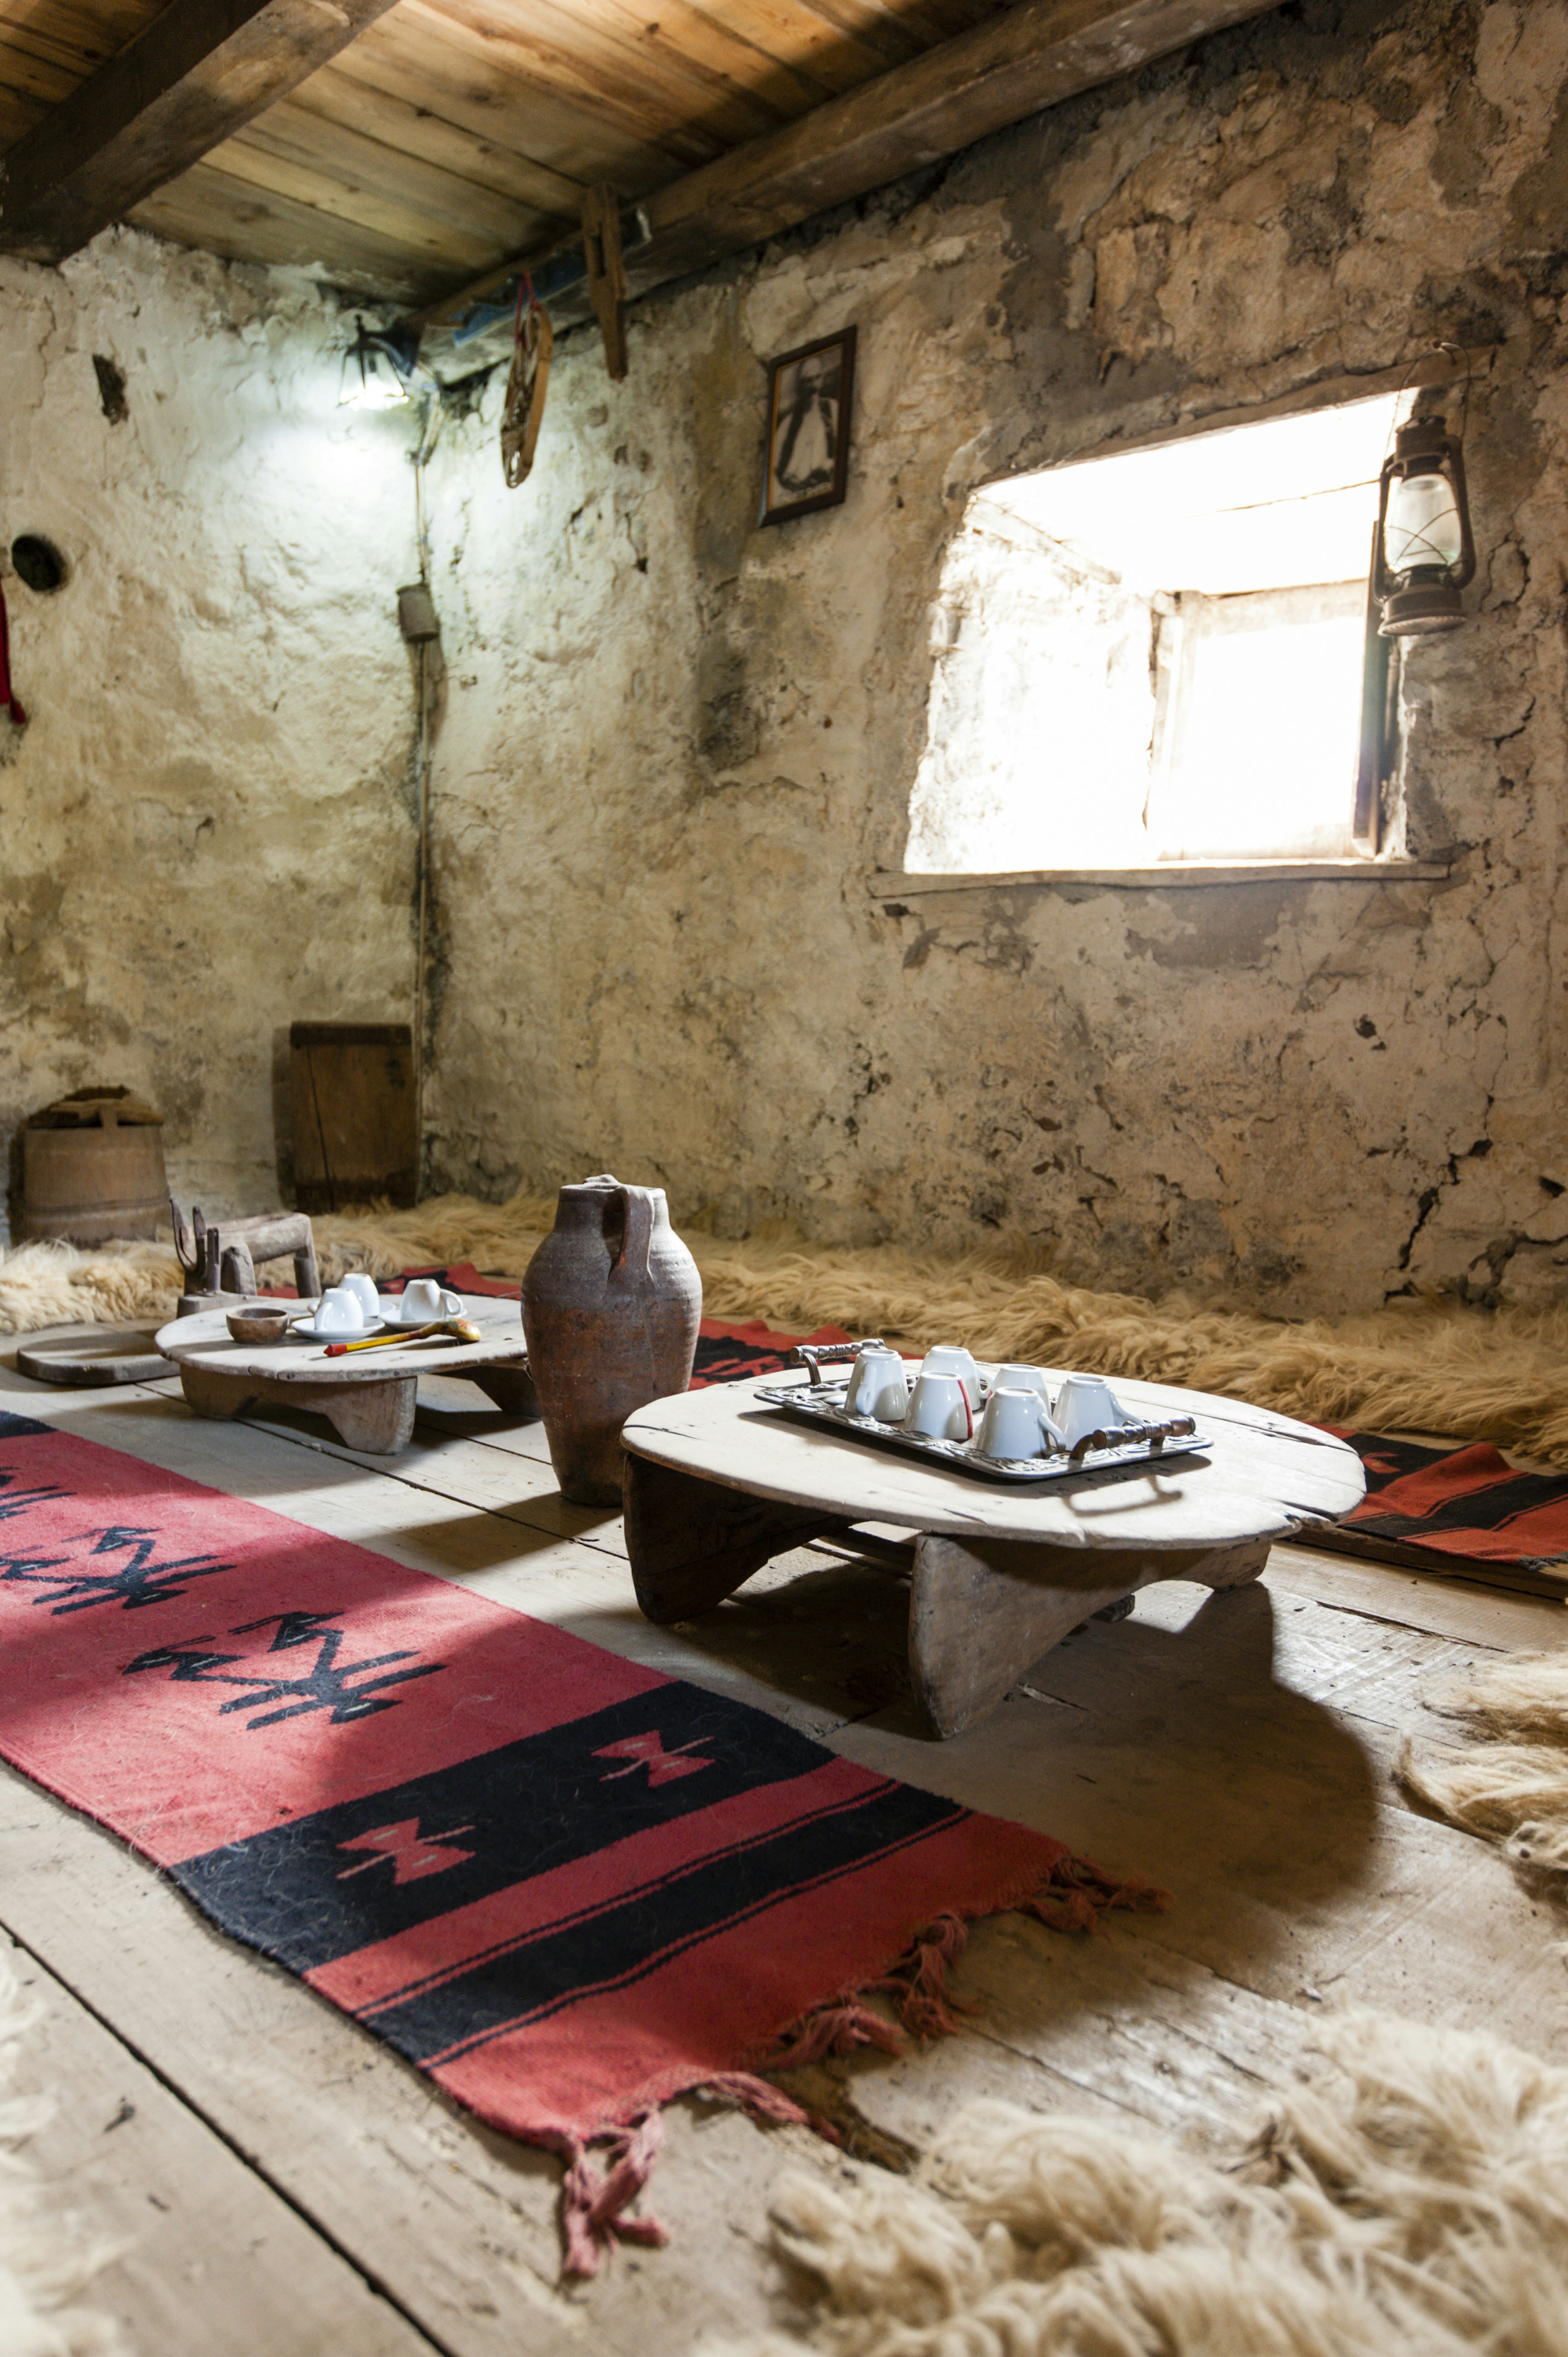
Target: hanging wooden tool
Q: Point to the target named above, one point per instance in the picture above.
(607, 271)
(522, 413)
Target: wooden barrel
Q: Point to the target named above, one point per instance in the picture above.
(92, 1169)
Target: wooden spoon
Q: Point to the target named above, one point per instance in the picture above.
(462, 1329)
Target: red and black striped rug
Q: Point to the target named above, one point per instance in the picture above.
(565, 1886)
(1461, 1511)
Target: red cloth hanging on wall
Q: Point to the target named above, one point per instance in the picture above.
(6, 697)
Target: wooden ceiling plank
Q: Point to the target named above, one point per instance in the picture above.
(1032, 57)
(529, 76)
(194, 75)
(418, 130)
(454, 71)
(740, 52)
(652, 92)
(340, 171)
(38, 82)
(434, 245)
(209, 209)
(835, 57)
(16, 116)
(891, 35)
(82, 35)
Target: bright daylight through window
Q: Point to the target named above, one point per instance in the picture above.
(1158, 656)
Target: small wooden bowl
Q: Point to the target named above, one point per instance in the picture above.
(260, 1321)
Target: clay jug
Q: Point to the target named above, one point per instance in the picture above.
(610, 1305)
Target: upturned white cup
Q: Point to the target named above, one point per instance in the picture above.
(947, 1359)
(940, 1408)
(363, 1289)
(1013, 1378)
(1086, 1403)
(878, 1387)
(1015, 1425)
(423, 1300)
(337, 1312)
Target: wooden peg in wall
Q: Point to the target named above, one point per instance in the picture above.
(607, 271)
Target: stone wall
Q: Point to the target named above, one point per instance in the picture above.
(206, 827)
(677, 745)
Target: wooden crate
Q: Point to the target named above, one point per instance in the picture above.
(351, 1094)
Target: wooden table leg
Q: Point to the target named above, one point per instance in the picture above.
(210, 1394)
(693, 1543)
(511, 1389)
(982, 1611)
(375, 1416)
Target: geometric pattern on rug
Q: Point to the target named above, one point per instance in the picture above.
(1445, 1507)
(565, 1885)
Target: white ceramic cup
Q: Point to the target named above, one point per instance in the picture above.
(423, 1300)
(947, 1359)
(1015, 1424)
(1013, 1378)
(363, 1289)
(940, 1408)
(1086, 1403)
(878, 1387)
(337, 1312)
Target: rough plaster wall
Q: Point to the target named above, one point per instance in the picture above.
(205, 830)
(676, 744)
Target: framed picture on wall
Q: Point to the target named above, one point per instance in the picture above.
(809, 396)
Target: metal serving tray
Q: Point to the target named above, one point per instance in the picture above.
(1130, 1446)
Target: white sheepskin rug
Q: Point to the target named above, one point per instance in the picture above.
(1414, 2202)
(44, 2258)
(1414, 1367)
(1508, 1782)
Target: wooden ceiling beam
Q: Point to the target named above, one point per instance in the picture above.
(200, 71)
(1034, 56)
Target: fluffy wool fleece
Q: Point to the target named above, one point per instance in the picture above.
(1509, 1784)
(1414, 2203)
(1414, 1367)
(45, 2259)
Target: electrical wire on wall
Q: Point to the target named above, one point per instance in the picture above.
(421, 629)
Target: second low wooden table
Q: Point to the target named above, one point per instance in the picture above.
(716, 1483)
(367, 1395)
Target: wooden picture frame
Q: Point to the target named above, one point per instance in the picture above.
(810, 393)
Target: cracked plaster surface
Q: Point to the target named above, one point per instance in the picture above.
(680, 743)
(673, 746)
(205, 830)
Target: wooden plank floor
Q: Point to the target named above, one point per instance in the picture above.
(262, 2158)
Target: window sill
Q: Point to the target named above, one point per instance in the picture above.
(1172, 874)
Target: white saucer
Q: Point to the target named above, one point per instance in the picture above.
(300, 1333)
(429, 1317)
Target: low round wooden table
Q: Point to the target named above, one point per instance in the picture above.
(368, 1396)
(716, 1483)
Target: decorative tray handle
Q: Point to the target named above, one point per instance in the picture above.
(1152, 1436)
(818, 1355)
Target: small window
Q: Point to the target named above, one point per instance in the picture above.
(1164, 655)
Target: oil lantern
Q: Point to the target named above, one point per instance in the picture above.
(1425, 551)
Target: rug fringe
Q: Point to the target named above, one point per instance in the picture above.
(593, 2206)
(1072, 1897)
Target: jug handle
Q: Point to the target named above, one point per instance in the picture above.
(631, 1267)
